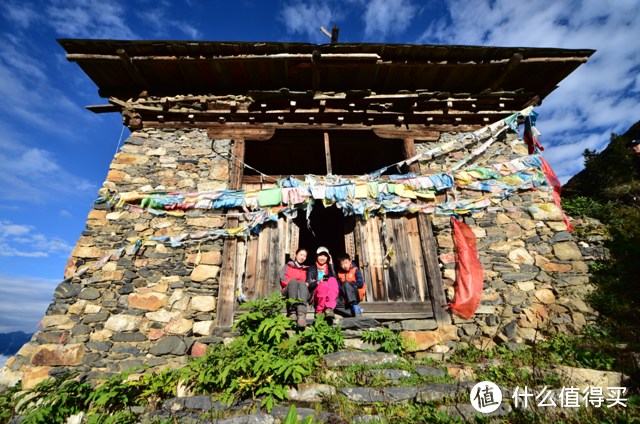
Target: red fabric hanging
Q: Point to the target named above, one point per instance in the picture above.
(557, 187)
(470, 276)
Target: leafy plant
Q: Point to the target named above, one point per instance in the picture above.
(292, 417)
(7, 405)
(321, 338)
(390, 341)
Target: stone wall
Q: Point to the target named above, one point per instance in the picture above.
(156, 307)
(152, 308)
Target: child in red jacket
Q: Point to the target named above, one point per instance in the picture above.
(293, 279)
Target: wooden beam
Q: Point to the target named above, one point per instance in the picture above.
(132, 70)
(434, 278)
(327, 153)
(246, 132)
(316, 58)
(334, 34)
(510, 66)
(441, 127)
(77, 57)
(102, 108)
(409, 150)
(226, 292)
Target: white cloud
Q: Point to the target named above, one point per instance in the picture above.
(24, 301)
(383, 17)
(65, 214)
(598, 98)
(21, 14)
(307, 18)
(89, 18)
(162, 22)
(15, 239)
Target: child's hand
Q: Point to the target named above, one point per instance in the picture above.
(330, 258)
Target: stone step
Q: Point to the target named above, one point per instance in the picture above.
(347, 359)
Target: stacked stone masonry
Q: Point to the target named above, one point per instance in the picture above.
(156, 308)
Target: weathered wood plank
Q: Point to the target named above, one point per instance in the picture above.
(364, 264)
(409, 152)
(247, 132)
(249, 286)
(275, 257)
(376, 253)
(327, 153)
(262, 264)
(405, 259)
(434, 278)
(413, 236)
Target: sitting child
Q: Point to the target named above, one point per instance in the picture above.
(352, 288)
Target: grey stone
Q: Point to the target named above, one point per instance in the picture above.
(436, 392)
(67, 290)
(428, 371)
(467, 411)
(359, 322)
(125, 349)
(470, 329)
(57, 309)
(492, 320)
(171, 345)
(89, 294)
(18, 362)
(509, 330)
(517, 276)
(368, 395)
(281, 412)
(347, 359)
(100, 346)
(365, 418)
(515, 346)
(419, 324)
(311, 393)
(210, 340)
(561, 236)
(126, 289)
(393, 375)
(154, 362)
(90, 358)
(248, 419)
(101, 317)
(529, 268)
(80, 330)
(129, 337)
(131, 363)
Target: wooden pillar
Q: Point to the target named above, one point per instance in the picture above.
(409, 149)
(226, 291)
(315, 73)
(327, 152)
(434, 277)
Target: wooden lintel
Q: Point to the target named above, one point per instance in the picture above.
(78, 57)
(510, 66)
(247, 132)
(413, 133)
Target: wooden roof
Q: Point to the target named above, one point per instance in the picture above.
(124, 69)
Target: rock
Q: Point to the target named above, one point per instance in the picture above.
(9, 378)
(367, 395)
(583, 378)
(204, 328)
(514, 347)
(521, 256)
(578, 319)
(361, 344)
(248, 419)
(181, 326)
(492, 320)
(545, 296)
(467, 411)
(280, 412)
(311, 393)
(67, 291)
(359, 322)
(119, 323)
(204, 272)
(461, 372)
(365, 418)
(101, 336)
(425, 339)
(428, 371)
(163, 316)
(557, 267)
(86, 252)
(62, 322)
(203, 303)
(436, 392)
(147, 301)
(57, 355)
(419, 324)
(100, 346)
(170, 345)
(129, 337)
(33, 376)
(92, 309)
(567, 251)
(509, 330)
(547, 212)
(517, 276)
(205, 222)
(560, 236)
(198, 350)
(347, 359)
(207, 258)
(393, 375)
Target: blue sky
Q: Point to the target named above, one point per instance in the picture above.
(54, 155)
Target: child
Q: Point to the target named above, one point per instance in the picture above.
(353, 287)
(294, 286)
(322, 281)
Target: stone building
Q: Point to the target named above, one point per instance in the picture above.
(156, 277)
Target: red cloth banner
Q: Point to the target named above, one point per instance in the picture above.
(470, 276)
(557, 187)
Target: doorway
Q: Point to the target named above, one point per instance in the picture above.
(327, 229)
